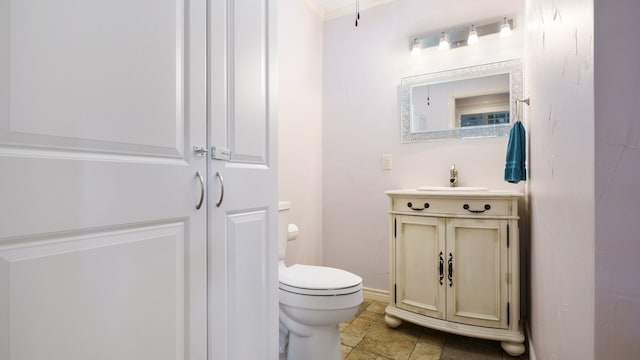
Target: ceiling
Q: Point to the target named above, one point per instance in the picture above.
(329, 9)
(457, 10)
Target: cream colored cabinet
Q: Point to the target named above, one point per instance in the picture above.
(455, 263)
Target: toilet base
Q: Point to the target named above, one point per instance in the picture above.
(323, 344)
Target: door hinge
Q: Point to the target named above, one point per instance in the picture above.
(508, 313)
(395, 227)
(395, 293)
(508, 235)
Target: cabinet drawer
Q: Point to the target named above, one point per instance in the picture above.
(425, 205)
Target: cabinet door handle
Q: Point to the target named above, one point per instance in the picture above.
(450, 275)
(426, 206)
(441, 268)
(486, 207)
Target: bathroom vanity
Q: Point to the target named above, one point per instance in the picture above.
(455, 263)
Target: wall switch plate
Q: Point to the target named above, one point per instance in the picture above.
(386, 161)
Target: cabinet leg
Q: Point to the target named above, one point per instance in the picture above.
(513, 348)
(392, 321)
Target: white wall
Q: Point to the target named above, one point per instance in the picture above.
(362, 71)
(583, 209)
(617, 180)
(559, 80)
(300, 126)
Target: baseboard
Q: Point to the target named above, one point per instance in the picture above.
(532, 353)
(375, 294)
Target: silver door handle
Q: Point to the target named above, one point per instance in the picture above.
(199, 204)
(221, 189)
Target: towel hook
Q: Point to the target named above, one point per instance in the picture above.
(518, 101)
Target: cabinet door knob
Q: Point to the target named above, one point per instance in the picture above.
(450, 275)
(441, 268)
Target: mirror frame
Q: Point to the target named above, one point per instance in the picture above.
(511, 67)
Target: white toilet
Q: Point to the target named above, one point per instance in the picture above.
(313, 301)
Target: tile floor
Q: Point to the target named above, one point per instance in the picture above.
(366, 337)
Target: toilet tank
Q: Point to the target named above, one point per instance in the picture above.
(283, 228)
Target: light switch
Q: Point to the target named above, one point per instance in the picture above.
(386, 161)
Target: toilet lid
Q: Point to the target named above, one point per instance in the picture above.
(317, 277)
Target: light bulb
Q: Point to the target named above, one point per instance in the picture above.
(415, 50)
(444, 43)
(505, 29)
(473, 36)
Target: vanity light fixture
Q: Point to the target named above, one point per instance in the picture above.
(463, 36)
(473, 36)
(415, 50)
(505, 29)
(444, 43)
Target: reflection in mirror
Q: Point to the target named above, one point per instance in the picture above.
(461, 103)
(469, 102)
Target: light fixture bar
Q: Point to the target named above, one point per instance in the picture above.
(415, 50)
(472, 39)
(505, 29)
(459, 36)
(443, 43)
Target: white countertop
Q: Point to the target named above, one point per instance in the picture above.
(453, 192)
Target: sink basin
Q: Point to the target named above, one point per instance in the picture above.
(448, 188)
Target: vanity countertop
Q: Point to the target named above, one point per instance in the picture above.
(453, 193)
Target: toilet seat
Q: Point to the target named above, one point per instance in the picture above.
(318, 281)
(320, 292)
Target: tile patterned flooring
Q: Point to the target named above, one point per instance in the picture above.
(366, 337)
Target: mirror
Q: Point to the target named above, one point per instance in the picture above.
(476, 101)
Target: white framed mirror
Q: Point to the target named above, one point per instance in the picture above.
(477, 101)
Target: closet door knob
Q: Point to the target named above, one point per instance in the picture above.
(221, 189)
(199, 176)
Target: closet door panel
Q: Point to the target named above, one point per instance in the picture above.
(243, 185)
(102, 248)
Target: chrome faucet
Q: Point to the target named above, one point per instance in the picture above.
(453, 176)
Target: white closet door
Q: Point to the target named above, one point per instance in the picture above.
(243, 317)
(102, 250)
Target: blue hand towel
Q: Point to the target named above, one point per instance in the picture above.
(515, 169)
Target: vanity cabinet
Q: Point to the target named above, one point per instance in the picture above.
(455, 263)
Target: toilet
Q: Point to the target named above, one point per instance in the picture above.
(313, 301)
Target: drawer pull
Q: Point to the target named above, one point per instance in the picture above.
(486, 207)
(426, 206)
